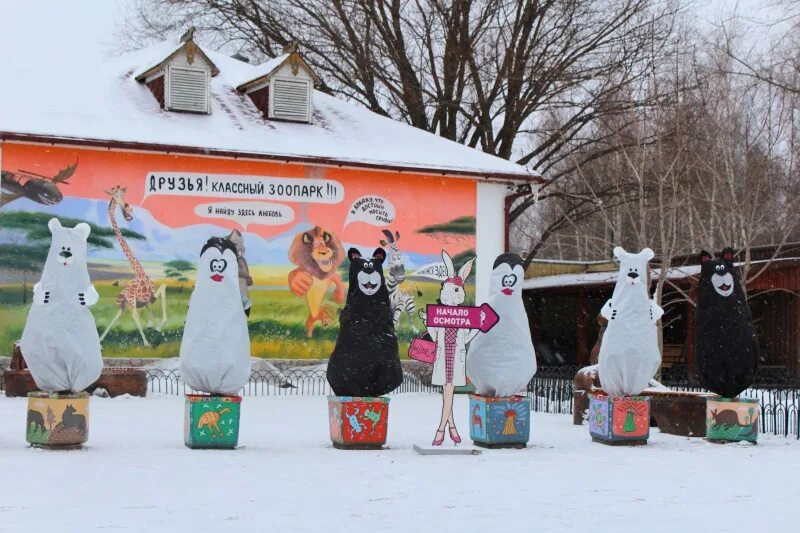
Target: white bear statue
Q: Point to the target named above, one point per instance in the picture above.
(60, 342)
(629, 353)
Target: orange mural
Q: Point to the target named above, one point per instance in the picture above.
(151, 212)
(418, 200)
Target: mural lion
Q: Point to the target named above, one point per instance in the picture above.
(317, 254)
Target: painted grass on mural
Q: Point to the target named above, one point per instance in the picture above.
(277, 321)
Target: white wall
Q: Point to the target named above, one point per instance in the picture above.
(490, 234)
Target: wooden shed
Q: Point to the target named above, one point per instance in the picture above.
(563, 299)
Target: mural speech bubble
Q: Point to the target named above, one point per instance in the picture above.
(374, 210)
(435, 271)
(247, 213)
(315, 191)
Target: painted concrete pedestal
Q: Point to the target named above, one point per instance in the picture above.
(732, 419)
(358, 423)
(211, 421)
(57, 421)
(499, 422)
(623, 421)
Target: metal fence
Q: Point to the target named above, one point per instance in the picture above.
(548, 394)
(294, 381)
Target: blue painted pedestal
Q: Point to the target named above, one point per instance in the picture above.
(499, 422)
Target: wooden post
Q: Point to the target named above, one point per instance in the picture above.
(690, 365)
(582, 334)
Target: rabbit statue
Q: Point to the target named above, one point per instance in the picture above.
(449, 369)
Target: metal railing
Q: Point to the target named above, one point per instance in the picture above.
(294, 381)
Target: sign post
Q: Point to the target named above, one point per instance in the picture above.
(482, 318)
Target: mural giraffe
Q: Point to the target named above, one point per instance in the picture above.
(140, 291)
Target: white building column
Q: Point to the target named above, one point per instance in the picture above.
(489, 234)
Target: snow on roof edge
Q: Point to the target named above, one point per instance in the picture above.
(160, 53)
(262, 70)
(610, 276)
(113, 109)
(377, 164)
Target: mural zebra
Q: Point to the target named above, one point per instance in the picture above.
(401, 301)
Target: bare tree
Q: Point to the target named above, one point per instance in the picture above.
(521, 79)
(712, 166)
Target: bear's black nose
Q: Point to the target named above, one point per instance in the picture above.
(65, 254)
(633, 275)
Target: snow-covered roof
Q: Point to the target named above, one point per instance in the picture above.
(600, 278)
(266, 69)
(73, 92)
(610, 277)
(162, 52)
(263, 70)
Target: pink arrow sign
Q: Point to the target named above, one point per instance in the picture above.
(462, 316)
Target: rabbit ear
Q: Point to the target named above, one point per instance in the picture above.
(448, 262)
(465, 270)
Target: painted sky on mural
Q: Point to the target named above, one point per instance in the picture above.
(173, 227)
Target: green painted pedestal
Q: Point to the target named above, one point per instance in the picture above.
(211, 421)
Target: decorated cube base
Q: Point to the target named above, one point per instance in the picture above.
(58, 421)
(732, 420)
(358, 423)
(623, 421)
(499, 422)
(211, 421)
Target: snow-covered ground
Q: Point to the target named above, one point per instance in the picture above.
(136, 475)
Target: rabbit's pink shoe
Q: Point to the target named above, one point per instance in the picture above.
(454, 436)
(438, 440)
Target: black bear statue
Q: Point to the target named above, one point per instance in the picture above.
(365, 360)
(727, 348)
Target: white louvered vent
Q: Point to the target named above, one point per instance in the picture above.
(290, 100)
(187, 89)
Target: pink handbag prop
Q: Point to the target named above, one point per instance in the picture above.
(422, 349)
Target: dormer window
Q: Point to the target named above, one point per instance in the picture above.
(290, 99)
(187, 89)
(179, 76)
(282, 87)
